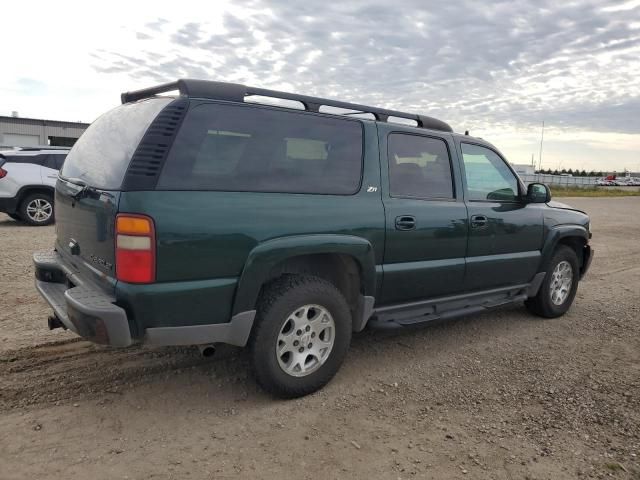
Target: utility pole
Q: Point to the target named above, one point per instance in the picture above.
(541, 140)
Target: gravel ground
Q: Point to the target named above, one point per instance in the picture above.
(500, 395)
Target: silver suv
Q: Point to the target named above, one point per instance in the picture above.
(27, 182)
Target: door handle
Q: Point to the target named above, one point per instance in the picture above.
(479, 221)
(406, 222)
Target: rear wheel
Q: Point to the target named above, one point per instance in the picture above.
(37, 209)
(301, 336)
(559, 286)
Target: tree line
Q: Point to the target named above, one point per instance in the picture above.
(575, 173)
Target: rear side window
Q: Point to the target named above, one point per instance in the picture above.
(54, 161)
(102, 154)
(419, 167)
(58, 161)
(243, 148)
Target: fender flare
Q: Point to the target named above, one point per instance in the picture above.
(557, 233)
(25, 189)
(266, 255)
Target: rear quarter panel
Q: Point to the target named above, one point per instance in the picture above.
(206, 237)
(18, 176)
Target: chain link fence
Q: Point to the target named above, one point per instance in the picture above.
(560, 180)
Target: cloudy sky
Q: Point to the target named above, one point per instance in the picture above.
(497, 69)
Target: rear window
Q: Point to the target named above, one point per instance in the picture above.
(243, 148)
(102, 154)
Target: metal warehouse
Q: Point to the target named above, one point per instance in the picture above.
(32, 132)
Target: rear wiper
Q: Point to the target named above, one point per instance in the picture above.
(80, 193)
(83, 191)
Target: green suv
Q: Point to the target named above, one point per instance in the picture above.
(283, 222)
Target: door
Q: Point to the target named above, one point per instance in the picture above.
(505, 233)
(49, 172)
(426, 221)
(21, 140)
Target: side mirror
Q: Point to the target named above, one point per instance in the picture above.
(538, 193)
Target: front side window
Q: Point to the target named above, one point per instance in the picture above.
(419, 167)
(243, 148)
(488, 176)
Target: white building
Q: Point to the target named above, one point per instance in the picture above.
(33, 132)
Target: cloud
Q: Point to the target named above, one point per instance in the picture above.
(573, 64)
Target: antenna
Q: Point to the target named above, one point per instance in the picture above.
(541, 140)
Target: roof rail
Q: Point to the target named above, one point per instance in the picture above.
(235, 92)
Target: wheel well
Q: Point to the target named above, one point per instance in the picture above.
(26, 191)
(343, 271)
(575, 243)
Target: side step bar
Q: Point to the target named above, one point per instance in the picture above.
(415, 313)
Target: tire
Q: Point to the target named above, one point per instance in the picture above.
(545, 303)
(15, 216)
(37, 209)
(282, 304)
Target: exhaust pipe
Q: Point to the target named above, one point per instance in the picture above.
(54, 322)
(207, 350)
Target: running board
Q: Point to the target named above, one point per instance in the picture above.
(444, 308)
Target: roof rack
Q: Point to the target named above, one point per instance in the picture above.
(37, 149)
(235, 92)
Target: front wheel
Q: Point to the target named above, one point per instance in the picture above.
(559, 286)
(301, 336)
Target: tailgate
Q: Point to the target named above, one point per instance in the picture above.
(85, 221)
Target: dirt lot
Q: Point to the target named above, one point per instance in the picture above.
(501, 395)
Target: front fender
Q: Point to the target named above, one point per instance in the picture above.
(557, 233)
(265, 256)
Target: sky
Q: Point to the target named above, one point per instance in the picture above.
(497, 69)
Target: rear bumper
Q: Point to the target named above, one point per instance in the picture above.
(8, 204)
(93, 314)
(81, 308)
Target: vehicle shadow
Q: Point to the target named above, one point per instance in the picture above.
(9, 222)
(86, 371)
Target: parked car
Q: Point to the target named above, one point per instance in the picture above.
(606, 183)
(201, 219)
(628, 182)
(27, 180)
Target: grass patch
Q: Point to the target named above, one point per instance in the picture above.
(593, 192)
(615, 466)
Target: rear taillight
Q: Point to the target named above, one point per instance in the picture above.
(3, 173)
(135, 249)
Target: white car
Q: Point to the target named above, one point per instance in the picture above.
(27, 181)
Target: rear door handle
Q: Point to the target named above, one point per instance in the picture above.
(479, 221)
(406, 222)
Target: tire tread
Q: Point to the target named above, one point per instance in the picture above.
(260, 345)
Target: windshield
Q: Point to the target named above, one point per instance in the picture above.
(102, 154)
